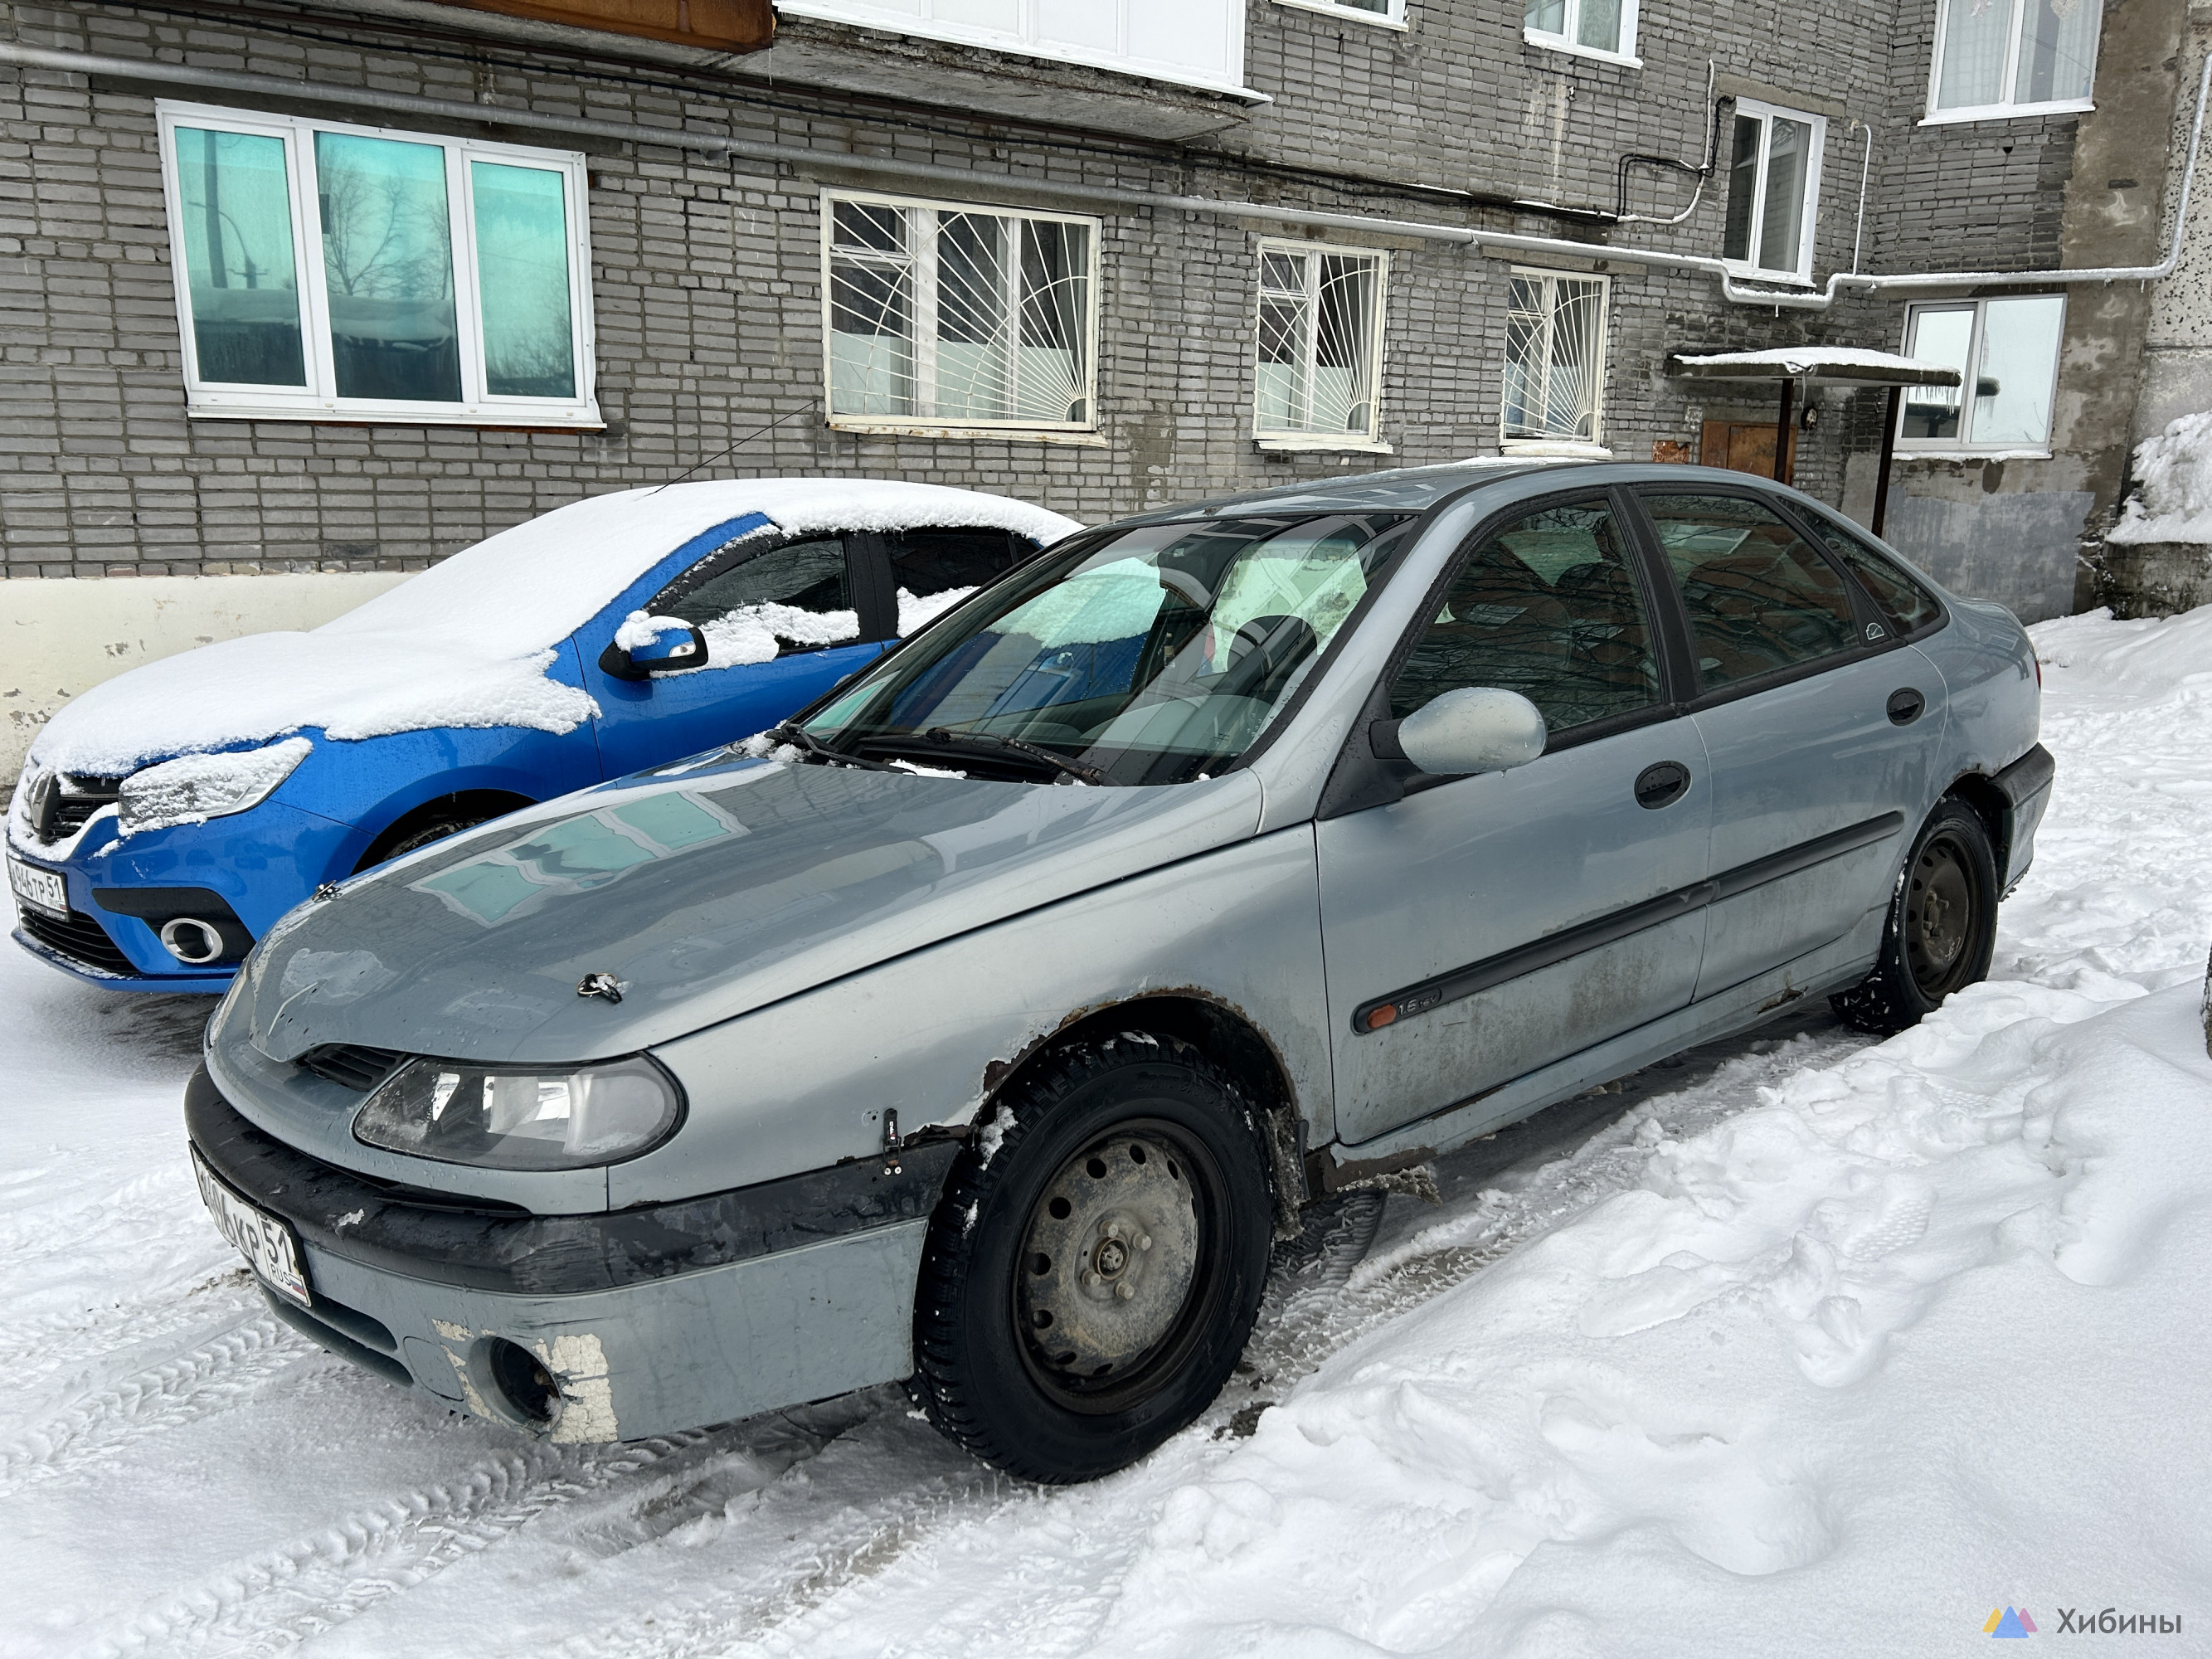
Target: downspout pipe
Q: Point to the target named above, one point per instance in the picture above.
(16, 55)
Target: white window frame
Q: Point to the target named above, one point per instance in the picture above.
(2005, 110)
(1967, 444)
(1285, 438)
(1594, 445)
(1809, 209)
(962, 426)
(318, 400)
(1565, 40)
(1392, 18)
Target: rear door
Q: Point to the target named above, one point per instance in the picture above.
(1483, 926)
(933, 569)
(1818, 721)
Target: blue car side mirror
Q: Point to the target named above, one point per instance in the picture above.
(662, 646)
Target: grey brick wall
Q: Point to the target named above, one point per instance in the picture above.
(707, 280)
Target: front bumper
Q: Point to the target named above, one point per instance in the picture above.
(648, 1320)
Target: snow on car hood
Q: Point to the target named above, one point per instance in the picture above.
(468, 641)
(707, 890)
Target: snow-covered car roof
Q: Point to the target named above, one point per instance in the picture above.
(467, 642)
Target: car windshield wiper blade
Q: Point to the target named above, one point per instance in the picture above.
(1074, 769)
(815, 750)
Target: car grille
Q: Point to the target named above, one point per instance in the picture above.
(61, 802)
(352, 1065)
(80, 939)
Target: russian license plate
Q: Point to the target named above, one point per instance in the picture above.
(268, 1245)
(42, 889)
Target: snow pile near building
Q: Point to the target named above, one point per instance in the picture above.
(2173, 498)
(470, 642)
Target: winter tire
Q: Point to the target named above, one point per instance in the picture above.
(1941, 929)
(1095, 1264)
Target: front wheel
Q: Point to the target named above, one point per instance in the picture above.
(1942, 926)
(1096, 1265)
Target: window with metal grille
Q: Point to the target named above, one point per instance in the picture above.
(1554, 358)
(941, 316)
(1321, 343)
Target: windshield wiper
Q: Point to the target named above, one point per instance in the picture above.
(938, 734)
(799, 738)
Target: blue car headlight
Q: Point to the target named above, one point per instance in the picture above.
(522, 1117)
(193, 788)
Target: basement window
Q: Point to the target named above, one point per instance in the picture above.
(1774, 191)
(343, 273)
(2005, 351)
(958, 320)
(1587, 29)
(1997, 59)
(1320, 347)
(1554, 358)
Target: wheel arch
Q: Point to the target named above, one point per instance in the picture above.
(484, 802)
(1979, 791)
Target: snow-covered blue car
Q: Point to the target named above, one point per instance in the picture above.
(165, 819)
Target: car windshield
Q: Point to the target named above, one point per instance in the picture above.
(1155, 655)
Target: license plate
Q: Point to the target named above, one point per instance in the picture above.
(268, 1245)
(42, 889)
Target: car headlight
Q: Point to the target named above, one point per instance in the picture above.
(522, 1117)
(193, 788)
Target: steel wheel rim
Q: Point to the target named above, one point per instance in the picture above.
(1941, 916)
(1100, 1314)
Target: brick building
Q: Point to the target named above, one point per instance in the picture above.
(297, 287)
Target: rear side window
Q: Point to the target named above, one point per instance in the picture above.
(1910, 605)
(754, 607)
(935, 569)
(1547, 606)
(1760, 597)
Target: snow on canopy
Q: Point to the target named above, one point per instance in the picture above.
(1844, 362)
(468, 641)
(2173, 498)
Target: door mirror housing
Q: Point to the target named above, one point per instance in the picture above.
(1468, 729)
(645, 646)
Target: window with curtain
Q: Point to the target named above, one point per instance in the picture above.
(1597, 28)
(1320, 342)
(947, 316)
(1554, 357)
(1998, 58)
(2006, 350)
(351, 273)
(1773, 191)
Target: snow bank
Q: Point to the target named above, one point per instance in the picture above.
(2173, 498)
(468, 641)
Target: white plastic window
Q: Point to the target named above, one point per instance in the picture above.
(1389, 13)
(940, 316)
(2001, 58)
(1320, 344)
(1774, 191)
(1589, 28)
(2005, 351)
(1554, 358)
(328, 272)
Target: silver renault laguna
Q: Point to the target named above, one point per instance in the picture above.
(981, 1026)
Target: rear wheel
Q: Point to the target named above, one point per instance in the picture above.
(1091, 1280)
(1941, 929)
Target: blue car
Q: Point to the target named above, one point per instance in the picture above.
(167, 818)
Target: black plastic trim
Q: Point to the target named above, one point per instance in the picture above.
(486, 1250)
(1555, 948)
(2027, 777)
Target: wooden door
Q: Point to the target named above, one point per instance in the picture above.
(1746, 446)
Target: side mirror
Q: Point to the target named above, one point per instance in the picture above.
(1470, 729)
(645, 646)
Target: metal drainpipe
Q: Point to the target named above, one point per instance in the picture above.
(794, 155)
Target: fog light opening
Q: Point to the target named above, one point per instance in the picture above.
(191, 941)
(523, 1380)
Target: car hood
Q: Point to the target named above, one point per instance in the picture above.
(706, 890)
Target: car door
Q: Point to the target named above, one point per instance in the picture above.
(782, 626)
(1818, 722)
(1483, 926)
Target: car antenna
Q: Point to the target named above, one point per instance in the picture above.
(727, 448)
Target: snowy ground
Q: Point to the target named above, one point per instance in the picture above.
(1799, 1344)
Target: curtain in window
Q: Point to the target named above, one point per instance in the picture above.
(2057, 51)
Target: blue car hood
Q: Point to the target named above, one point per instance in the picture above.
(707, 890)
